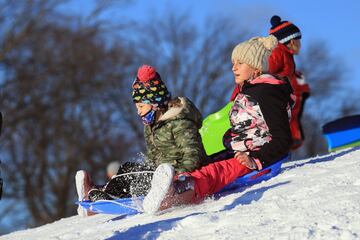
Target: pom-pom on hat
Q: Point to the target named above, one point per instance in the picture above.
(149, 88)
(145, 73)
(255, 52)
(284, 31)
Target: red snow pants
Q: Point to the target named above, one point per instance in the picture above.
(215, 176)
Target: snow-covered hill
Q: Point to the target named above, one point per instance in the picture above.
(316, 198)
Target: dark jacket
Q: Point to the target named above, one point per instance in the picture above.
(260, 120)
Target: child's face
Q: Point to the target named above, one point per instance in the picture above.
(143, 108)
(242, 72)
(295, 45)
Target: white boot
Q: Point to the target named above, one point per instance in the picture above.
(160, 184)
(83, 185)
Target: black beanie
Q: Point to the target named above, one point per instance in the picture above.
(284, 31)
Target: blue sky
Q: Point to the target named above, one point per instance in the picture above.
(335, 22)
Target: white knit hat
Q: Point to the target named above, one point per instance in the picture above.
(255, 52)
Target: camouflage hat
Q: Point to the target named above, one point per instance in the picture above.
(149, 88)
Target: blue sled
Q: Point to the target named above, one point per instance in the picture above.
(130, 206)
(256, 176)
(121, 206)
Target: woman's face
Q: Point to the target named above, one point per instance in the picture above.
(143, 108)
(242, 72)
(295, 45)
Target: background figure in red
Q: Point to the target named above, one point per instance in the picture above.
(281, 63)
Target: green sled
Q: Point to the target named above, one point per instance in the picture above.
(213, 129)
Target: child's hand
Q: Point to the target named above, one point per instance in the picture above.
(245, 160)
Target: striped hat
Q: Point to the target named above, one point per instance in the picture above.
(284, 31)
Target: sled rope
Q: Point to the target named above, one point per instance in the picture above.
(130, 173)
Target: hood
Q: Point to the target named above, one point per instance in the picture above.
(269, 79)
(283, 47)
(282, 82)
(182, 108)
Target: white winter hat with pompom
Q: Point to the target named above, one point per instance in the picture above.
(255, 52)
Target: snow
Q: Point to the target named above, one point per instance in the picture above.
(317, 198)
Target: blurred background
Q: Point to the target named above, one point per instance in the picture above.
(66, 69)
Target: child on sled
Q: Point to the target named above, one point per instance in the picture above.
(171, 131)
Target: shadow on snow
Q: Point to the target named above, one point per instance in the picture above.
(148, 231)
(251, 196)
(320, 159)
(153, 230)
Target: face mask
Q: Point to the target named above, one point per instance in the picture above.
(148, 118)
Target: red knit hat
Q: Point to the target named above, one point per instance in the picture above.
(145, 73)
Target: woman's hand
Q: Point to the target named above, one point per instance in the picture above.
(245, 160)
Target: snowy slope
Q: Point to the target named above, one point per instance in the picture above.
(316, 198)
